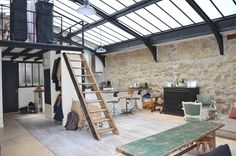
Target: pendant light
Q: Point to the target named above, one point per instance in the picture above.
(100, 49)
(86, 9)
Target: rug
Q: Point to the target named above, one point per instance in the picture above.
(229, 130)
(80, 143)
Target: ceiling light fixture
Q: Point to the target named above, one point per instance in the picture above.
(100, 48)
(86, 9)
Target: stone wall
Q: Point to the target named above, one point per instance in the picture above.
(197, 59)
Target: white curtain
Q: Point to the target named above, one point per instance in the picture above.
(31, 21)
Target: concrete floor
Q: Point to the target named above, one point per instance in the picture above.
(15, 140)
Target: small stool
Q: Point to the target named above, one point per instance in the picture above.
(114, 110)
(135, 108)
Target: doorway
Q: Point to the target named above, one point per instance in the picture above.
(10, 83)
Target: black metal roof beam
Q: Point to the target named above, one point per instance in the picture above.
(7, 51)
(23, 52)
(201, 29)
(118, 14)
(234, 2)
(22, 61)
(126, 29)
(39, 58)
(20, 44)
(13, 54)
(101, 57)
(38, 54)
(211, 24)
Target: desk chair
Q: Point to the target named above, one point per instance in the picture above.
(115, 100)
(192, 113)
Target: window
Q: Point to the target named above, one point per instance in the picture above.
(30, 74)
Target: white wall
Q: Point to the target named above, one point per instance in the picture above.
(50, 57)
(1, 103)
(25, 95)
(68, 90)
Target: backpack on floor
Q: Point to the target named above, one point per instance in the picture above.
(72, 121)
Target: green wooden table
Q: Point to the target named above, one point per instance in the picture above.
(169, 141)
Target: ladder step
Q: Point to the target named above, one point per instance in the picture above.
(73, 53)
(101, 120)
(104, 130)
(83, 75)
(90, 92)
(93, 101)
(76, 60)
(98, 110)
(79, 67)
(86, 83)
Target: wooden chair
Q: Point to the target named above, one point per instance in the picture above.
(158, 103)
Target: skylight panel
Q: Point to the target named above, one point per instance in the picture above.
(73, 29)
(84, 18)
(89, 38)
(110, 31)
(55, 23)
(94, 39)
(100, 36)
(113, 3)
(227, 7)
(68, 21)
(126, 2)
(68, 3)
(208, 8)
(162, 15)
(72, 14)
(134, 26)
(174, 12)
(66, 14)
(94, 17)
(188, 10)
(102, 6)
(142, 22)
(119, 31)
(74, 6)
(151, 18)
(105, 34)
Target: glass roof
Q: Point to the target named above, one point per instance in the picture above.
(157, 17)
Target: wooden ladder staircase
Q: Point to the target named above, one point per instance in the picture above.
(76, 61)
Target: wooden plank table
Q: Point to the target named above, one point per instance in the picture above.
(170, 141)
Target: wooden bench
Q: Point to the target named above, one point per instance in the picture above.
(179, 139)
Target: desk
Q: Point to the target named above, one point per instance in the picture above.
(128, 101)
(169, 141)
